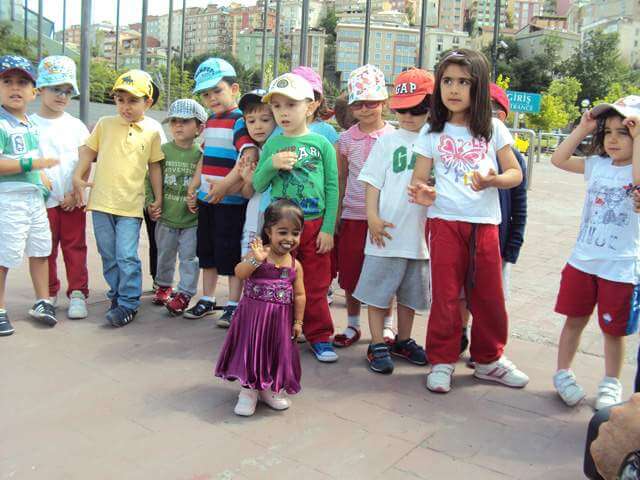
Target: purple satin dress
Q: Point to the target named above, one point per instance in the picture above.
(258, 350)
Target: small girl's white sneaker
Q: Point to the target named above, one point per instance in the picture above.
(274, 400)
(247, 401)
(439, 379)
(77, 306)
(609, 392)
(570, 392)
(501, 371)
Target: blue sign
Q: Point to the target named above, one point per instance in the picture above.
(524, 102)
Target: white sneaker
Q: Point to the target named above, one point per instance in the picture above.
(53, 301)
(609, 392)
(501, 371)
(247, 401)
(570, 392)
(439, 379)
(77, 306)
(274, 400)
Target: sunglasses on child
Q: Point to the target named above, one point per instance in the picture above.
(367, 105)
(415, 111)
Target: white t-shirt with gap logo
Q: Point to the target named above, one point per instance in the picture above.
(608, 243)
(389, 168)
(456, 155)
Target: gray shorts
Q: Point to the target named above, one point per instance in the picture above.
(382, 278)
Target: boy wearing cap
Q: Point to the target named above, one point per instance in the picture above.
(124, 147)
(23, 215)
(60, 136)
(176, 228)
(396, 262)
(301, 166)
(217, 181)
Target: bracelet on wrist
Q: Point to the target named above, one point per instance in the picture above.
(252, 261)
(298, 323)
(26, 164)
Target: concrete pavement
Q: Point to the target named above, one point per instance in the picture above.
(83, 401)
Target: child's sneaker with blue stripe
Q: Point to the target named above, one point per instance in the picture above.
(324, 352)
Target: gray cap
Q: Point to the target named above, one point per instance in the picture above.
(186, 108)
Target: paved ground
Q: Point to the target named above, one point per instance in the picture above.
(83, 401)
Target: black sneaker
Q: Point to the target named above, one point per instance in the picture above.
(379, 358)
(410, 351)
(225, 320)
(114, 304)
(44, 312)
(5, 325)
(200, 309)
(464, 341)
(121, 316)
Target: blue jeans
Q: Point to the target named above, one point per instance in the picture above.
(117, 240)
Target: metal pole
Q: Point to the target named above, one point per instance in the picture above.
(263, 57)
(184, 12)
(85, 54)
(168, 80)
(64, 26)
(40, 17)
(496, 31)
(276, 42)
(117, 53)
(304, 31)
(26, 15)
(367, 31)
(423, 32)
(143, 38)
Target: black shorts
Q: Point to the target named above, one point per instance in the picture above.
(219, 236)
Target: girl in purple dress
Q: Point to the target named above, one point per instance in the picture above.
(260, 350)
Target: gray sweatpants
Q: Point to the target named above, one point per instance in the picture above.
(180, 241)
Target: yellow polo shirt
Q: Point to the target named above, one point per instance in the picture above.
(124, 152)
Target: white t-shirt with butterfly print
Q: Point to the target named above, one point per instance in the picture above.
(456, 154)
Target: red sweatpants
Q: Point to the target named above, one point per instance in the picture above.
(68, 232)
(318, 325)
(465, 255)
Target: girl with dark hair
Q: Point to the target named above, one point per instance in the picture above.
(466, 149)
(259, 351)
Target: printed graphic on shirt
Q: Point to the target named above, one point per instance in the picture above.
(294, 181)
(400, 160)
(461, 157)
(606, 214)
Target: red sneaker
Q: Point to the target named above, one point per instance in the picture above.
(162, 295)
(178, 304)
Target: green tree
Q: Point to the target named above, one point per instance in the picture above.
(12, 44)
(329, 24)
(552, 115)
(567, 90)
(618, 90)
(102, 76)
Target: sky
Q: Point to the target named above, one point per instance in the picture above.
(130, 10)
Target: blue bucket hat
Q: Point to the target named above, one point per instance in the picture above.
(210, 72)
(10, 63)
(57, 70)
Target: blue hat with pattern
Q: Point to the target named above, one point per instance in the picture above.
(186, 108)
(210, 72)
(9, 63)
(57, 70)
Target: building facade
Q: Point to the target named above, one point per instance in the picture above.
(250, 48)
(437, 41)
(525, 10)
(316, 40)
(532, 40)
(451, 14)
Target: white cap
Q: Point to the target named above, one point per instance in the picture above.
(290, 85)
(625, 106)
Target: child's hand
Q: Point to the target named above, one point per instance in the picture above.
(250, 155)
(296, 331)
(79, 188)
(259, 251)
(192, 204)
(378, 232)
(636, 201)
(68, 203)
(422, 194)
(42, 163)
(46, 181)
(216, 192)
(246, 171)
(155, 210)
(588, 123)
(479, 182)
(324, 243)
(284, 160)
(632, 123)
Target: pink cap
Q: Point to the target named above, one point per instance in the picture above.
(310, 76)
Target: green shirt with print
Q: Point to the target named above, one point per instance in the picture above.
(177, 169)
(313, 182)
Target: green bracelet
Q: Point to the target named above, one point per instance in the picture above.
(26, 164)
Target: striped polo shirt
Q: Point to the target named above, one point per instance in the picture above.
(225, 136)
(18, 139)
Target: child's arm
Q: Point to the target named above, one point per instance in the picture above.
(252, 260)
(515, 231)
(324, 242)
(9, 166)
(299, 301)
(231, 183)
(246, 171)
(270, 164)
(193, 187)
(563, 156)
(510, 177)
(343, 172)
(632, 123)
(377, 226)
(419, 191)
(86, 156)
(155, 177)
